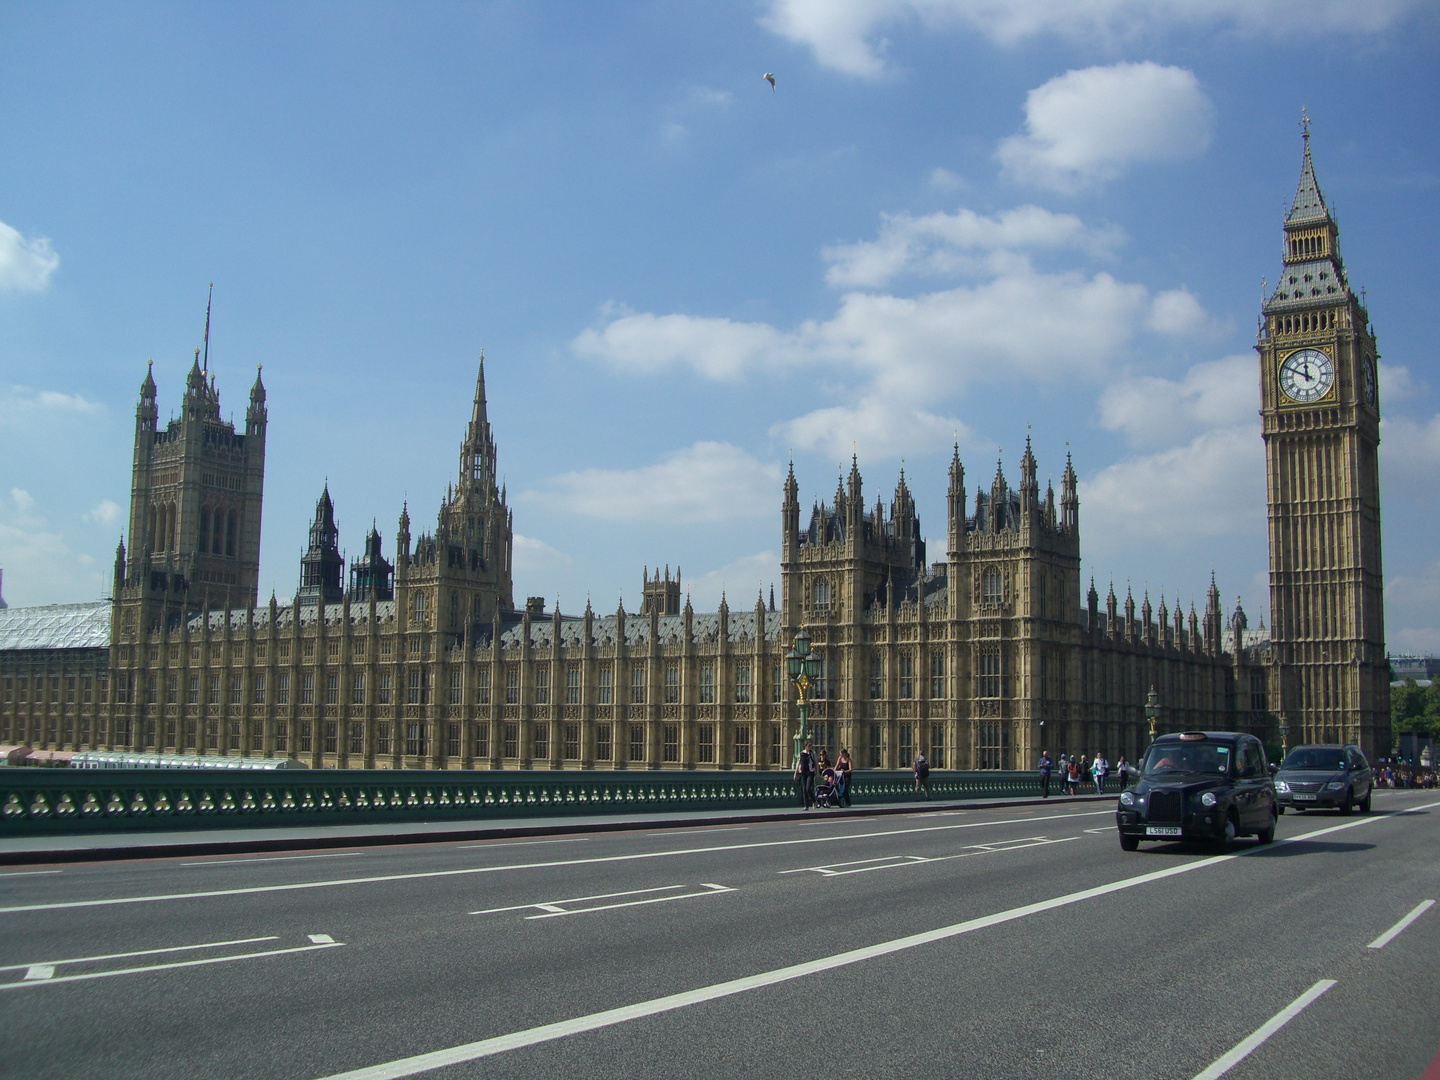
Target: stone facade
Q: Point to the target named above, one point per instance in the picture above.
(1320, 407)
(979, 659)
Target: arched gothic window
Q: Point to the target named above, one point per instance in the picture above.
(992, 588)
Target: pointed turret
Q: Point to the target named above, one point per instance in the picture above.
(119, 566)
(256, 414)
(790, 518)
(1309, 203)
(1212, 617)
(1069, 500)
(955, 499)
(1092, 604)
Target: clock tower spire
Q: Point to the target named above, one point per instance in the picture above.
(1321, 426)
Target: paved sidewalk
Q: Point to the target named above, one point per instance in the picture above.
(89, 847)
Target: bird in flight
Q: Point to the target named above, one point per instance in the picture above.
(770, 78)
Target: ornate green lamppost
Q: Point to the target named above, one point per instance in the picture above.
(803, 667)
(1152, 710)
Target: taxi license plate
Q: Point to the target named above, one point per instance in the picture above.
(1304, 798)
(1162, 830)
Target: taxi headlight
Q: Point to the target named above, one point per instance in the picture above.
(1282, 787)
(1334, 785)
(1208, 799)
(1127, 799)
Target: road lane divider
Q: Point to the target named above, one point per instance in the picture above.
(1395, 931)
(141, 952)
(499, 1044)
(44, 974)
(550, 909)
(270, 858)
(1246, 1046)
(422, 875)
(895, 862)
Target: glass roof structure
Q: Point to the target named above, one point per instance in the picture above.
(57, 626)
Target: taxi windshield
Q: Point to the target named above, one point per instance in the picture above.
(1316, 757)
(1175, 757)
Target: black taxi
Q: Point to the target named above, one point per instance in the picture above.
(1200, 785)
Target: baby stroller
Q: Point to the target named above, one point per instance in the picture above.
(827, 791)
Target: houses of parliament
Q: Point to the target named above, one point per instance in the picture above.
(423, 659)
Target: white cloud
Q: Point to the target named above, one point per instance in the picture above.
(942, 179)
(1022, 323)
(706, 482)
(717, 348)
(1214, 485)
(1411, 603)
(1152, 411)
(104, 512)
(1177, 313)
(39, 565)
(25, 265)
(22, 401)
(942, 243)
(1408, 451)
(1397, 384)
(1091, 125)
(873, 428)
(736, 580)
(847, 35)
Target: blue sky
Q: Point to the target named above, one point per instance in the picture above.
(952, 219)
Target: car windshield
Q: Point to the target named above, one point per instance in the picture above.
(1315, 757)
(1173, 757)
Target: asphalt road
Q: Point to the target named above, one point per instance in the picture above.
(1015, 942)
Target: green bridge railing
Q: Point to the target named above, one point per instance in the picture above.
(51, 801)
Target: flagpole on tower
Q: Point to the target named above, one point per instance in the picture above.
(206, 365)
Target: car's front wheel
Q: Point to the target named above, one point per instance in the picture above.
(1345, 802)
(1280, 810)
(1365, 803)
(1267, 834)
(1129, 843)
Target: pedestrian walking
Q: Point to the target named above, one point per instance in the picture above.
(1122, 769)
(921, 768)
(1072, 776)
(1045, 766)
(1098, 769)
(805, 776)
(843, 768)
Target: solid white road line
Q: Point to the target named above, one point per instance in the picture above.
(521, 843)
(1394, 931)
(1246, 1046)
(499, 1044)
(548, 1032)
(710, 890)
(28, 873)
(421, 875)
(171, 966)
(141, 952)
(551, 904)
(270, 858)
(40, 971)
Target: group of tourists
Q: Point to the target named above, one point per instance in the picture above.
(1075, 772)
(834, 779)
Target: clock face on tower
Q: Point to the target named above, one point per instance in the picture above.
(1369, 382)
(1306, 375)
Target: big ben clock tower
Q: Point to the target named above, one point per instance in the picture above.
(1321, 422)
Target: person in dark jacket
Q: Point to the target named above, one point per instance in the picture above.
(805, 776)
(1045, 766)
(843, 768)
(921, 768)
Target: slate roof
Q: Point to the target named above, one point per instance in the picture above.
(671, 630)
(56, 626)
(1325, 276)
(285, 616)
(1309, 204)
